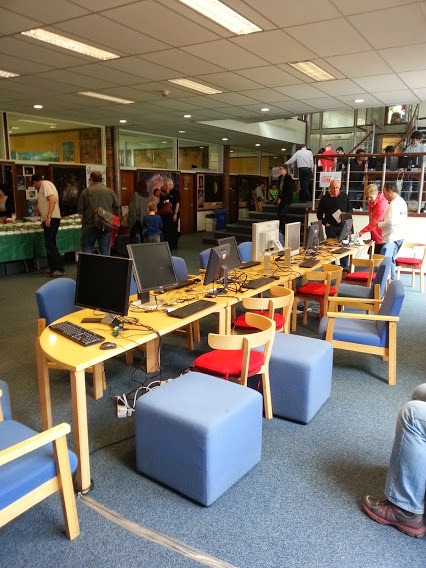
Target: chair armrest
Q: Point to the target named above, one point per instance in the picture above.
(1, 411)
(343, 300)
(371, 317)
(31, 444)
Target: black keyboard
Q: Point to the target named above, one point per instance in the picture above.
(341, 250)
(258, 282)
(249, 264)
(309, 263)
(190, 309)
(182, 284)
(76, 333)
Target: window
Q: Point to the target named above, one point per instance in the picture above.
(338, 118)
(141, 150)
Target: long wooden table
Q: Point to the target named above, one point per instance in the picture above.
(69, 355)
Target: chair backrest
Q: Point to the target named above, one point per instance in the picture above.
(5, 408)
(418, 250)
(55, 299)
(204, 258)
(180, 268)
(391, 306)
(381, 276)
(281, 237)
(363, 265)
(280, 299)
(133, 286)
(245, 250)
(336, 273)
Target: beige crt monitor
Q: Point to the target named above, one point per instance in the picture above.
(292, 237)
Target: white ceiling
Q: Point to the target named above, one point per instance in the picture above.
(375, 49)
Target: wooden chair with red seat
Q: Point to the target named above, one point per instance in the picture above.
(280, 298)
(364, 277)
(316, 287)
(413, 263)
(233, 357)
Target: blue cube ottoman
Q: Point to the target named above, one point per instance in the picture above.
(198, 434)
(300, 371)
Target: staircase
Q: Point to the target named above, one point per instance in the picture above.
(242, 230)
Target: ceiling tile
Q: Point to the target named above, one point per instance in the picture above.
(138, 66)
(95, 29)
(11, 23)
(229, 81)
(184, 106)
(340, 87)
(31, 50)
(380, 83)
(225, 54)
(298, 13)
(414, 79)
(304, 91)
(234, 99)
(267, 95)
(359, 64)
(348, 7)
(324, 38)
(421, 94)
(404, 25)
(269, 76)
(409, 58)
(275, 46)
(100, 71)
(179, 60)
(76, 80)
(326, 103)
(21, 66)
(48, 11)
(369, 100)
(296, 106)
(397, 97)
(161, 22)
(206, 101)
(132, 94)
(97, 5)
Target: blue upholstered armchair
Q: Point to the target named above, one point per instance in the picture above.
(245, 250)
(34, 466)
(366, 333)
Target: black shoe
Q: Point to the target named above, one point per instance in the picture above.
(387, 513)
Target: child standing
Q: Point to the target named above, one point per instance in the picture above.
(152, 224)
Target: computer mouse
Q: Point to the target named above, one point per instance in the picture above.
(275, 276)
(108, 345)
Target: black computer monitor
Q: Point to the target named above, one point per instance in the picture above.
(216, 265)
(153, 267)
(345, 233)
(312, 240)
(103, 283)
(234, 259)
(347, 216)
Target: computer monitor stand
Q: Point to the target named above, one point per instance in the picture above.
(144, 300)
(217, 291)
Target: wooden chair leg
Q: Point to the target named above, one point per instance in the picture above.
(413, 278)
(392, 354)
(267, 401)
(422, 282)
(196, 331)
(294, 316)
(305, 313)
(66, 488)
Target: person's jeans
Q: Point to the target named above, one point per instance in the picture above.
(392, 249)
(406, 478)
(305, 176)
(53, 257)
(91, 234)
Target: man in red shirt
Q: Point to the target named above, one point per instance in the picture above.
(328, 163)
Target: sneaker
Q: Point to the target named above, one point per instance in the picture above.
(387, 513)
(57, 273)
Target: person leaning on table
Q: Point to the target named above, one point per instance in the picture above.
(405, 487)
(377, 205)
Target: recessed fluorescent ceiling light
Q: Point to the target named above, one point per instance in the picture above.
(312, 70)
(195, 86)
(7, 74)
(222, 15)
(71, 44)
(358, 100)
(106, 97)
(38, 106)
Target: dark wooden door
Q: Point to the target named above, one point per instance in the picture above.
(128, 178)
(188, 211)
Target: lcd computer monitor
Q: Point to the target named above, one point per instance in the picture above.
(292, 237)
(312, 240)
(345, 233)
(265, 238)
(234, 259)
(103, 283)
(153, 267)
(348, 216)
(216, 266)
(321, 235)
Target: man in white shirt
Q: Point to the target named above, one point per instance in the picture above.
(393, 224)
(48, 208)
(305, 165)
(416, 145)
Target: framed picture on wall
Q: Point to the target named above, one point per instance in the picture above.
(21, 183)
(31, 193)
(200, 191)
(28, 170)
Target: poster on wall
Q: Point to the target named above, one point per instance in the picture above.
(200, 191)
(95, 168)
(68, 151)
(155, 180)
(28, 170)
(327, 177)
(213, 188)
(21, 183)
(70, 182)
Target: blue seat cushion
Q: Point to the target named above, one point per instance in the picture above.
(354, 331)
(23, 475)
(350, 291)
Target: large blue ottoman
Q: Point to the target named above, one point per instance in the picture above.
(300, 371)
(198, 434)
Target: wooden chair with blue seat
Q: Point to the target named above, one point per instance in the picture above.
(234, 358)
(204, 258)
(375, 292)
(414, 263)
(280, 298)
(33, 466)
(192, 330)
(366, 333)
(55, 299)
(317, 287)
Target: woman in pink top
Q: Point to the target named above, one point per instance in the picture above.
(377, 204)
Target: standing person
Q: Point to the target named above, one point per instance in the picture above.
(331, 203)
(137, 209)
(305, 164)
(328, 163)
(48, 207)
(356, 177)
(165, 211)
(393, 224)
(342, 161)
(259, 196)
(7, 206)
(391, 161)
(96, 195)
(152, 224)
(416, 145)
(174, 197)
(285, 195)
(405, 487)
(377, 205)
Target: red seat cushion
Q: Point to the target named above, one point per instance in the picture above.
(359, 276)
(241, 320)
(408, 260)
(223, 362)
(315, 289)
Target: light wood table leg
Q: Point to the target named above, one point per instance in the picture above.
(224, 321)
(81, 435)
(98, 380)
(152, 356)
(44, 388)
